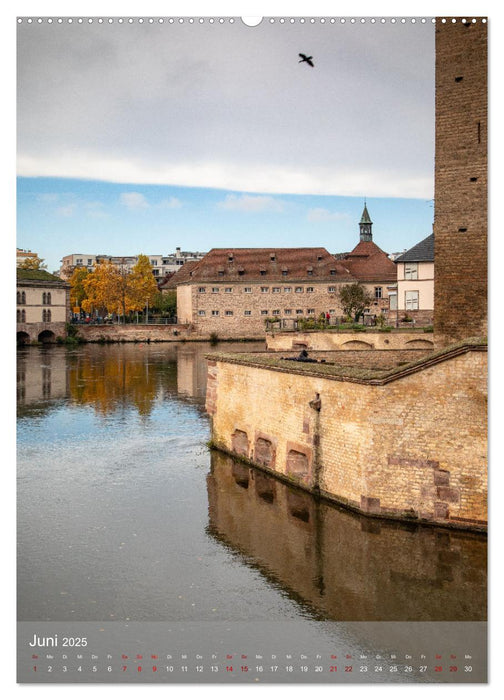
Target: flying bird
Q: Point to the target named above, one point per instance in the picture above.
(307, 59)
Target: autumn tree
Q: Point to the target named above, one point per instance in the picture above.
(354, 298)
(33, 263)
(119, 290)
(102, 289)
(77, 290)
(142, 287)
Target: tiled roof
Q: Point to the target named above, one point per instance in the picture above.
(421, 252)
(245, 264)
(183, 275)
(368, 262)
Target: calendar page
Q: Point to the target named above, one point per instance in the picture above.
(251, 379)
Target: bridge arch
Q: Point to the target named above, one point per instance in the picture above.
(46, 337)
(22, 338)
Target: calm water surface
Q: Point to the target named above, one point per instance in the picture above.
(124, 513)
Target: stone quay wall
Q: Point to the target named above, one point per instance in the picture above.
(411, 445)
(341, 340)
(134, 333)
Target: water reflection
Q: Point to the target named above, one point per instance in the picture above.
(345, 566)
(109, 377)
(123, 512)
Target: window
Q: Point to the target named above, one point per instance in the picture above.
(228, 313)
(276, 312)
(310, 311)
(215, 312)
(18, 297)
(288, 312)
(201, 313)
(262, 272)
(287, 290)
(155, 273)
(284, 273)
(215, 290)
(299, 289)
(411, 299)
(18, 316)
(411, 271)
(221, 273)
(152, 262)
(276, 290)
(331, 290)
(23, 315)
(228, 290)
(309, 289)
(247, 313)
(90, 261)
(378, 292)
(201, 290)
(264, 290)
(299, 312)
(78, 261)
(247, 290)
(393, 301)
(46, 315)
(309, 272)
(333, 273)
(46, 298)
(264, 312)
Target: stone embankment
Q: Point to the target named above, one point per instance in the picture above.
(348, 340)
(390, 435)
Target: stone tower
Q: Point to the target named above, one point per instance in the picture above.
(365, 226)
(460, 222)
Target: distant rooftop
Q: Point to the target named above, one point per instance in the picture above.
(421, 252)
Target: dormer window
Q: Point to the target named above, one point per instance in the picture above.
(230, 257)
(272, 257)
(285, 270)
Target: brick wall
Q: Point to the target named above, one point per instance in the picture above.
(242, 313)
(460, 224)
(340, 340)
(376, 570)
(406, 448)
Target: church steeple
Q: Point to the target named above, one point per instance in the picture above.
(366, 225)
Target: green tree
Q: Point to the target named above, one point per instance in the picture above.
(165, 303)
(354, 298)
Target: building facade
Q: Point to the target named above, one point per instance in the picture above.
(233, 292)
(161, 264)
(415, 283)
(373, 268)
(460, 223)
(42, 306)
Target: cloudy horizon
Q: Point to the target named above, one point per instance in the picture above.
(223, 108)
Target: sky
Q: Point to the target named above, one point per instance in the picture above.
(138, 137)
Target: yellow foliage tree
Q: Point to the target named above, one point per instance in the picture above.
(33, 263)
(142, 287)
(77, 291)
(102, 289)
(118, 290)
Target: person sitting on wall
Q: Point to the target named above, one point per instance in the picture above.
(302, 357)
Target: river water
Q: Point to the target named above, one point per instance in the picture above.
(124, 514)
